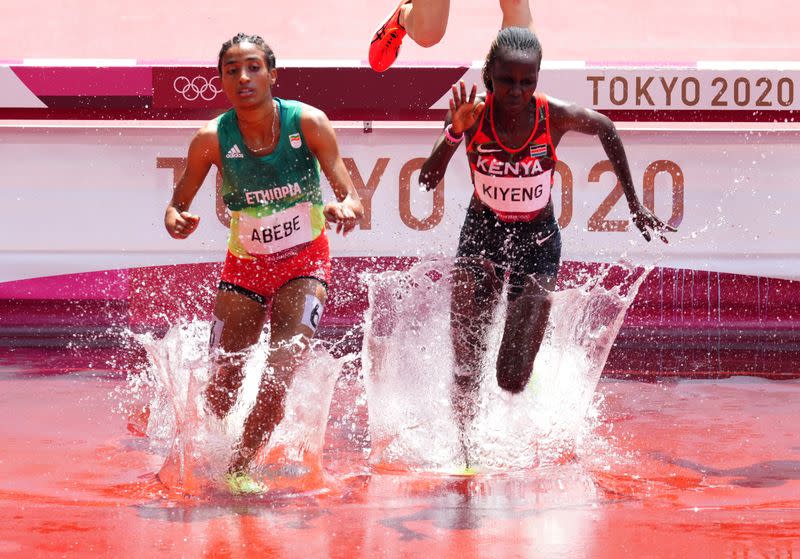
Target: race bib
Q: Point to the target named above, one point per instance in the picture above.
(513, 194)
(276, 232)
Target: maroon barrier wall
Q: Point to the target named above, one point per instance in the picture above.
(682, 322)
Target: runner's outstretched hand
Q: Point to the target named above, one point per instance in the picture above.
(180, 224)
(464, 110)
(646, 220)
(346, 214)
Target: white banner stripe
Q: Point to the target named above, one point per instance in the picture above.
(103, 192)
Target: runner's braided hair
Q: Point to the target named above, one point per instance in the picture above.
(269, 56)
(520, 39)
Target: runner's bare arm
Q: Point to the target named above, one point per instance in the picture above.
(321, 139)
(566, 117)
(203, 151)
(463, 116)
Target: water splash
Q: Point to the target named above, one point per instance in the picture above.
(196, 446)
(408, 368)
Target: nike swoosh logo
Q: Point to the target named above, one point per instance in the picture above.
(482, 149)
(540, 242)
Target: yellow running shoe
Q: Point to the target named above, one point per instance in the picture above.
(466, 471)
(241, 483)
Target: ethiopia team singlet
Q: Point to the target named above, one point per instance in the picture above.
(275, 200)
(514, 183)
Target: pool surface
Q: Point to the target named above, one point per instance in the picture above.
(679, 468)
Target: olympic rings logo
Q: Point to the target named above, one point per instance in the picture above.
(198, 87)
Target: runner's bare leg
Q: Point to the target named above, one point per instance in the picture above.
(289, 339)
(526, 321)
(475, 294)
(425, 21)
(238, 322)
(517, 13)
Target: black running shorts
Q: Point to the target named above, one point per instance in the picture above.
(521, 247)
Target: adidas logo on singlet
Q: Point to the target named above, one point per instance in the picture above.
(234, 153)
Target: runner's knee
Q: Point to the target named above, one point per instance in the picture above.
(515, 361)
(428, 34)
(511, 378)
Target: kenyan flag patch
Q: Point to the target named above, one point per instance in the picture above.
(538, 150)
(295, 140)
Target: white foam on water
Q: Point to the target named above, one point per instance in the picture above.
(195, 445)
(409, 368)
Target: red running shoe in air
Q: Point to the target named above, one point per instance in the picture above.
(386, 41)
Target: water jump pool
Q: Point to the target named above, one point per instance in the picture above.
(690, 468)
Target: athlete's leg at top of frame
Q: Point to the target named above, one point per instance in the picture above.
(516, 13)
(425, 21)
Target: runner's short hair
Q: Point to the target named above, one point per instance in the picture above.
(519, 39)
(261, 44)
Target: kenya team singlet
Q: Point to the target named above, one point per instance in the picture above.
(514, 183)
(275, 200)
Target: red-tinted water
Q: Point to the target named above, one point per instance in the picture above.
(681, 468)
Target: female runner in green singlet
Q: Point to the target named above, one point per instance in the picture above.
(270, 152)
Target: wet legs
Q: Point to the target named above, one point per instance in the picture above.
(526, 322)
(242, 321)
(289, 339)
(475, 293)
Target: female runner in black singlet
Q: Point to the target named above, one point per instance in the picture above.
(512, 133)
